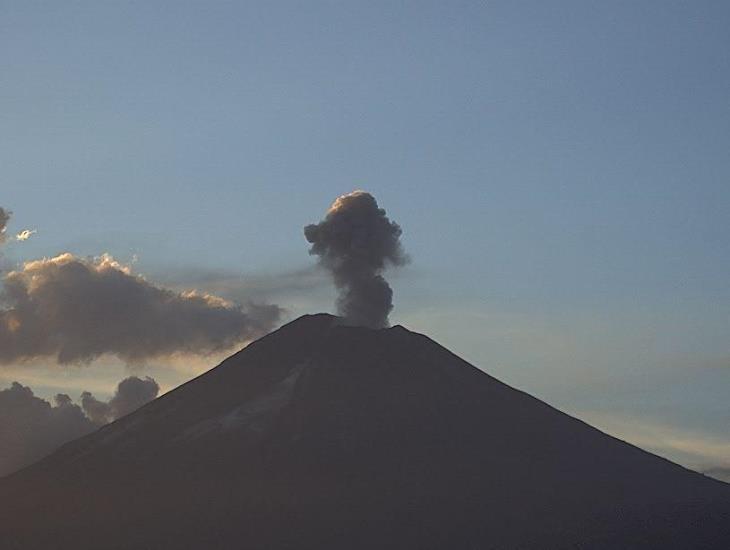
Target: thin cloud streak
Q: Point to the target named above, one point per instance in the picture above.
(238, 287)
(696, 450)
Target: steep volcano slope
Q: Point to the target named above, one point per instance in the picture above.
(332, 437)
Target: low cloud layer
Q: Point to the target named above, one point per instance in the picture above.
(76, 309)
(31, 428)
(131, 394)
(356, 242)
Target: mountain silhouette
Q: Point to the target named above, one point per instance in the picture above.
(325, 436)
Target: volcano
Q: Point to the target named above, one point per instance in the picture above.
(325, 436)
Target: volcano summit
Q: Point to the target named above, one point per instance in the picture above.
(325, 436)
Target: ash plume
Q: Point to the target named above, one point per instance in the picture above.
(356, 242)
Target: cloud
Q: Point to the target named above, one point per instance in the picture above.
(236, 286)
(131, 394)
(77, 309)
(302, 288)
(25, 234)
(356, 242)
(4, 219)
(30, 428)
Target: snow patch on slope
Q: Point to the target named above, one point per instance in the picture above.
(253, 415)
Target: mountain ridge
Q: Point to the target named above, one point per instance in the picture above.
(321, 435)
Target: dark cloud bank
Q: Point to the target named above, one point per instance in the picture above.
(77, 309)
(131, 394)
(74, 310)
(31, 428)
(356, 242)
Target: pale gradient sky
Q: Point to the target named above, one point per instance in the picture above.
(560, 170)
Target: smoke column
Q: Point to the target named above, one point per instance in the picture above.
(355, 242)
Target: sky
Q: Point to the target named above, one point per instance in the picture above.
(559, 170)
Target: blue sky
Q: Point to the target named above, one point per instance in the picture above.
(560, 170)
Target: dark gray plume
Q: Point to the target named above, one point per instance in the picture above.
(356, 242)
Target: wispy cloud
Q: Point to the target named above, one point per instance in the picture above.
(236, 286)
(25, 234)
(302, 289)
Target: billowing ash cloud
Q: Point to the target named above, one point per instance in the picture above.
(131, 394)
(356, 242)
(77, 309)
(4, 219)
(30, 428)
